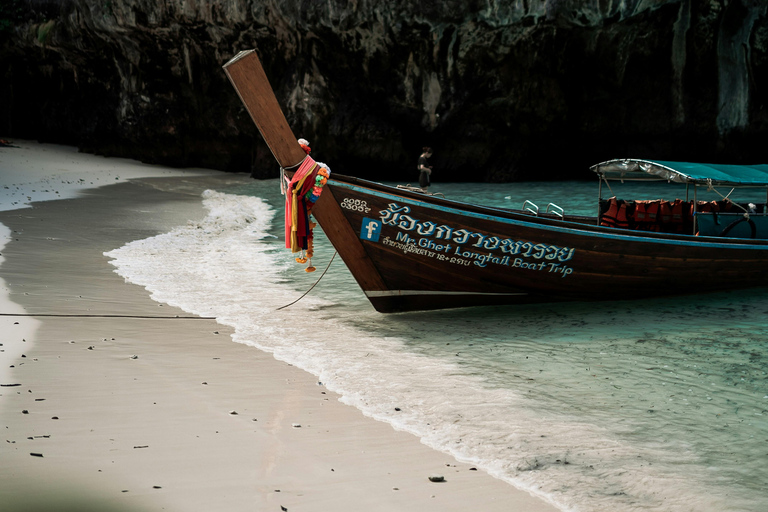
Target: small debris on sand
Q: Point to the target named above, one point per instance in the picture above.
(436, 478)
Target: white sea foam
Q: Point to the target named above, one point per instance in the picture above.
(17, 330)
(565, 438)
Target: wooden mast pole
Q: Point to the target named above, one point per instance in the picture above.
(251, 83)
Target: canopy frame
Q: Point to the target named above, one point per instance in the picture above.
(709, 175)
(683, 172)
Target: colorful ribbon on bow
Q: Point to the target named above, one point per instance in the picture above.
(302, 192)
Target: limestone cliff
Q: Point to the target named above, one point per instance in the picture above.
(503, 90)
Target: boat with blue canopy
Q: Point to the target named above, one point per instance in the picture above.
(723, 218)
(413, 251)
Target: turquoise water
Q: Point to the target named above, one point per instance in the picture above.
(627, 405)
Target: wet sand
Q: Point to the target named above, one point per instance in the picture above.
(113, 401)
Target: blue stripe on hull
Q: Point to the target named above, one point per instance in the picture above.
(555, 229)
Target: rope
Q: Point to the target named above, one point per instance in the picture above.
(609, 186)
(111, 316)
(310, 289)
(296, 165)
(283, 179)
(711, 188)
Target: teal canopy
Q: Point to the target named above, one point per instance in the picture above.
(684, 172)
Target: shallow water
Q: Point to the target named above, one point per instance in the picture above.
(653, 405)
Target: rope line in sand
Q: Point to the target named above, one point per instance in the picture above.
(162, 317)
(112, 316)
(310, 288)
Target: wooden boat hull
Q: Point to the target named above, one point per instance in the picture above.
(409, 251)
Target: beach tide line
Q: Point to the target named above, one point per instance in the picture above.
(110, 316)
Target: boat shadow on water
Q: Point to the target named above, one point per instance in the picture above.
(572, 320)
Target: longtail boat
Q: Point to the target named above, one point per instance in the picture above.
(413, 251)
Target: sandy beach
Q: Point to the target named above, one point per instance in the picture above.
(112, 401)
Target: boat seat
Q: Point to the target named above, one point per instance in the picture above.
(732, 225)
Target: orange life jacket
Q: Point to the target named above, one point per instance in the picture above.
(707, 207)
(646, 211)
(672, 212)
(647, 215)
(616, 216)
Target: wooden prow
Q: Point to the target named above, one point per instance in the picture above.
(250, 82)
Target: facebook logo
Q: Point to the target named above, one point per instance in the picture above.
(371, 230)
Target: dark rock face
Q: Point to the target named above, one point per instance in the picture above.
(502, 90)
